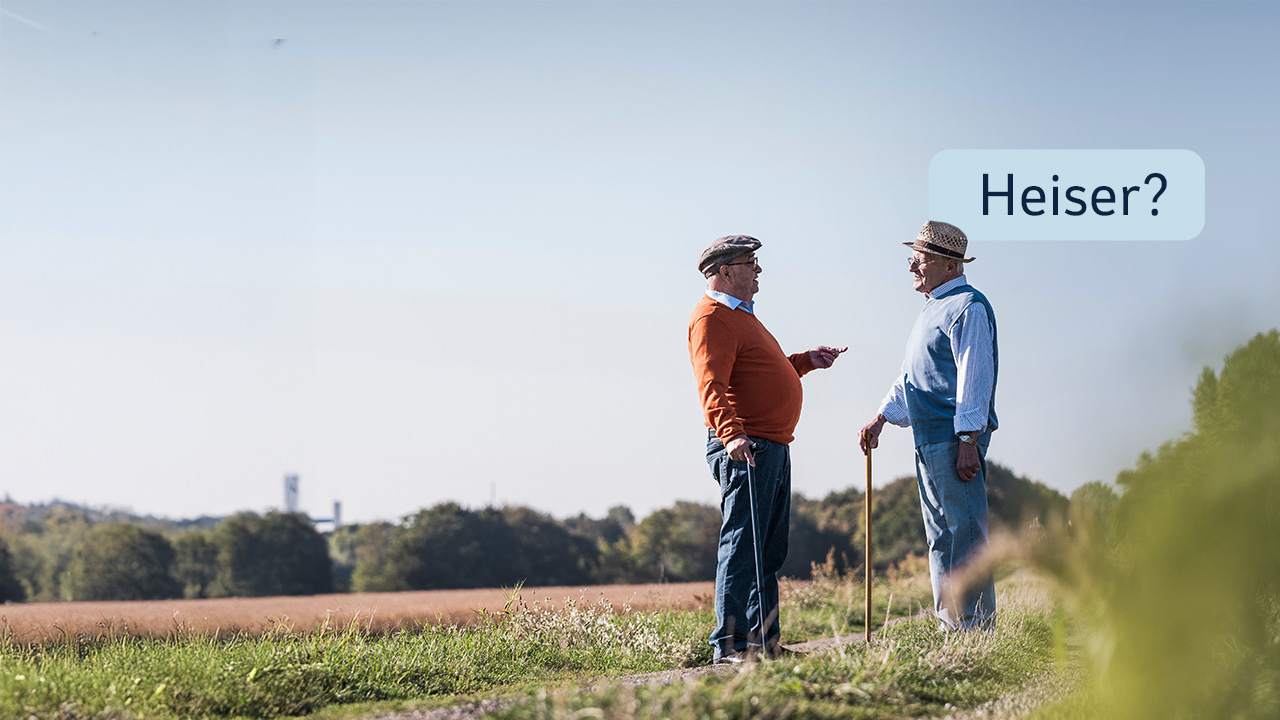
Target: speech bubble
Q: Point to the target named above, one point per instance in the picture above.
(1069, 194)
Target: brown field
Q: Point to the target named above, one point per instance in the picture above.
(43, 622)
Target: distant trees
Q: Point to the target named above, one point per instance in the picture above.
(42, 550)
(836, 524)
(272, 554)
(615, 563)
(1016, 502)
(67, 552)
(448, 546)
(371, 558)
(10, 589)
(195, 564)
(122, 562)
(677, 544)
(611, 528)
(546, 552)
(70, 553)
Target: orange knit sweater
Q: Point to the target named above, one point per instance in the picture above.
(746, 383)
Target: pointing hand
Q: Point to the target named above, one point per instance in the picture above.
(824, 357)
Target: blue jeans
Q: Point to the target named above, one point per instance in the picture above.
(737, 610)
(955, 523)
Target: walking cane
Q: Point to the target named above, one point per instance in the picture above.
(755, 541)
(866, 436)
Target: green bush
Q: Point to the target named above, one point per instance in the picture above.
(272, 554)
(11, 589)
(123, 562)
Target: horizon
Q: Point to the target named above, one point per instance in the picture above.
(109, 509)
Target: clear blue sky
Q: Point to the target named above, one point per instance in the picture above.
(416, 251)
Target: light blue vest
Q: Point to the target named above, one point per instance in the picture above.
(931, 367)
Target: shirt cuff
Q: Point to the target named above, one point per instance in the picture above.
(966, 422)
(894, 414)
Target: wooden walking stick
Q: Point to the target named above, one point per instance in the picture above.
(866, 436)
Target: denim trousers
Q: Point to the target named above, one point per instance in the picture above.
(955, 524)
(737, 609)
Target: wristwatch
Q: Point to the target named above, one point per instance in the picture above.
(968, 439)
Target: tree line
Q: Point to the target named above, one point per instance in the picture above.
(64, 552)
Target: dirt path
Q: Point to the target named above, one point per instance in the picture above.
(473, 711)
(42, 622)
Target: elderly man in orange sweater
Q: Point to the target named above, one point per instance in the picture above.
(751, 398)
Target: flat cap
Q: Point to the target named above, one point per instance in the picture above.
(725, 248)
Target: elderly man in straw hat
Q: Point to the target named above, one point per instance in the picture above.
(751, 395)
(946, 394)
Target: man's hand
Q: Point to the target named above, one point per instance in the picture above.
(967, 462)
(824, 357)
(870, 436)
(740, 449)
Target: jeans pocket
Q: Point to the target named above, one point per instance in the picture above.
(722, 471)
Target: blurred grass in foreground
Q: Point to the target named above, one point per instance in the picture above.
(1179, 579)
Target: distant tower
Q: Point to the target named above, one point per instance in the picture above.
(291, 493)
(291, 503)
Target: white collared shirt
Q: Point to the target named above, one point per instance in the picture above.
(732, 302)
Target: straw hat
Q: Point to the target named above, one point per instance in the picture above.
(939, 238)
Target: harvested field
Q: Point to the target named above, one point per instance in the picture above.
(378, 612)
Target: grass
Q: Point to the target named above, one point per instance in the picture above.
(834, 604)
(909, 669)
(283, 673)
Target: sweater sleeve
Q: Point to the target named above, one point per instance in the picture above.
(712, 349)
(801, 362)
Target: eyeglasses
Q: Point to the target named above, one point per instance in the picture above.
(915, 261)
(752, 261)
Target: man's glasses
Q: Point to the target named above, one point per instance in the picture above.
(752, 261)
(915, 261)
